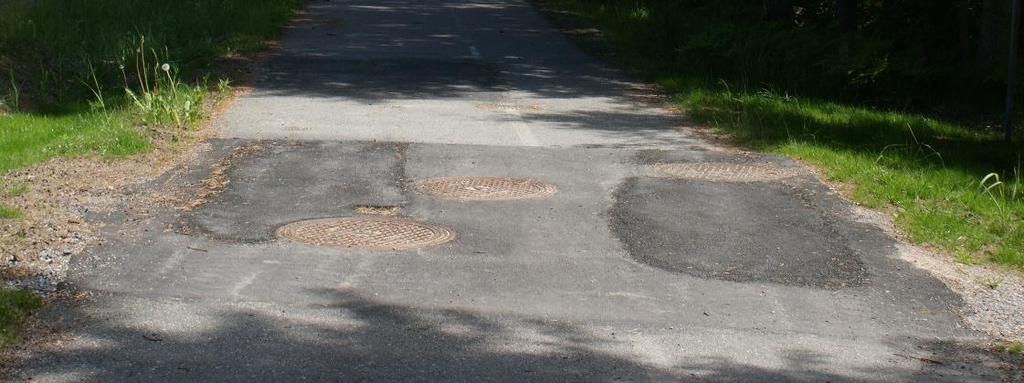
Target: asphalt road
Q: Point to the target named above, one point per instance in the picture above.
(622, 274)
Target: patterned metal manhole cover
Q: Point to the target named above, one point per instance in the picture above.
(484, 188)
(510, 107)
(371, 233)
(726, 172)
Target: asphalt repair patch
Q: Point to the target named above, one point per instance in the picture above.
(743, 232)
(293, 181)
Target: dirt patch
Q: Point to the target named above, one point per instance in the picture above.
(218, 179)
(35, 249)
(390, 211)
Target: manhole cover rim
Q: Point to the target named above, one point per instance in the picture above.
(481, 188)
(439, 234)
(721, 171)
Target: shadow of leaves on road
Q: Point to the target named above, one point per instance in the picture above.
(357, 338)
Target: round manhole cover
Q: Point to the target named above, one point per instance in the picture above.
(367, 233)
(726, 172)
(484, 188)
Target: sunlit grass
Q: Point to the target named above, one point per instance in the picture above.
(27, 139)
(7, 212)
(930, 172)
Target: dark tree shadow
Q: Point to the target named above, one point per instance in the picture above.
(356, 338)
(389, 59)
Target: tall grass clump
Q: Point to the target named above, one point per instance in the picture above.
(11, 99)
(158, 95)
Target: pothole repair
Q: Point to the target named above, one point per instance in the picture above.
(378, 210)
(726, 172)
(484, 188)
(367, 233)
(218, 179)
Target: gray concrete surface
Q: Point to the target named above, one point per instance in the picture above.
(618, 276)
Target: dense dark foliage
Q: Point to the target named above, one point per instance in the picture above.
(56, 47)
(944, 56)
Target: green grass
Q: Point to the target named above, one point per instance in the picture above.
(26, 139)
(12, 190)
(929, 171)
(926, 170)
(15, 306)
(82, 76)
(1014, 348)
(9, 212)
(16, 189)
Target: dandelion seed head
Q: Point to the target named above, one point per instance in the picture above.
(166, 67)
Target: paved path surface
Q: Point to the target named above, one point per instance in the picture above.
(620, 275)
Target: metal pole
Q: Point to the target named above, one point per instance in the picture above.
(1011, 69)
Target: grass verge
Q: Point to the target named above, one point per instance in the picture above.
(15, 306)
(949, 185)
(31, 138)
(81, 77)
